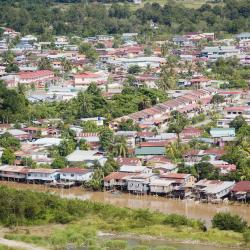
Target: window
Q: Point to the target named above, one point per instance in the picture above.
(72, 175)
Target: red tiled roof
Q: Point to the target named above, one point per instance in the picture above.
(242, 186)
(237, 108)
(214, 151)
(35, 74)
(87, 75)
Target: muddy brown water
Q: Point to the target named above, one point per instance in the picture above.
(189, 208)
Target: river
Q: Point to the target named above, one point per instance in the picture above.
(189, 208)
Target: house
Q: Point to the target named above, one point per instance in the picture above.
(117, 180)
(86, 156)
(151, 148)
(16, 173)
(99, 121)
(77, 175)
(161, 186)
(222, 135)
(243, 36)
(129, 136)
(135, 169)
(47, 142)
(189, 133)
(19, 134)
(241, 191)
(231, 112)
(84, 79)
(213, 53)
(92, 139)
(39, 77)
(153, 62)
(182, 183)
(212, 190)
(43, 175)
(139, 184)
(36, 131)
(133, 161)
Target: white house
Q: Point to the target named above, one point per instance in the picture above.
(75, 174)
(43, 175)
(87, 156)
(84, 79)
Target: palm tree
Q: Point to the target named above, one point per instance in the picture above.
(120, 147)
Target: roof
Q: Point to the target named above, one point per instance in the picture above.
(83, 155)
(43, 170)
(35, 74)
(128, 161)
(242, 186)
(117, 176)
(75, 170)
(132, 169)
(238, 108)
(150, 150)
(160, 182)
(175, 176)
(14, 169)
(87, 74)
(154, 144)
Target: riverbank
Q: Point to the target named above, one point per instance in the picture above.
(188, 208)
(53, 223)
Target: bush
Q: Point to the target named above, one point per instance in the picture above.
(246, 236)
(116, 244)
(226, 221)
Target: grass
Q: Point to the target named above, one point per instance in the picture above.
(85, 233)
(3, 247)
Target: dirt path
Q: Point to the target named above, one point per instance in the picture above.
(20, 245)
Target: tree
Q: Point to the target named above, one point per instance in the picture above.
(66, 147)
(59, 162)
(175, 150)
(8, 57)
(27, 161)
(44, 64)
(66, 65)
(238, 122)
(119, 146)
(177, 123)
(206, 170)
(8, 157)
(128, 125)
(227, 221)
(12, 68)
(106, 138)
(217, 99)
(90, 127)
(9, 141)
(88, 51)
(134, 69)
(83, 145)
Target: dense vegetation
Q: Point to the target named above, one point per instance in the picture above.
(14, 107)
(48, 18)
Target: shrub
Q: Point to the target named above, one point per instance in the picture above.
(226, 221)
(246, 236)
(116, 244)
